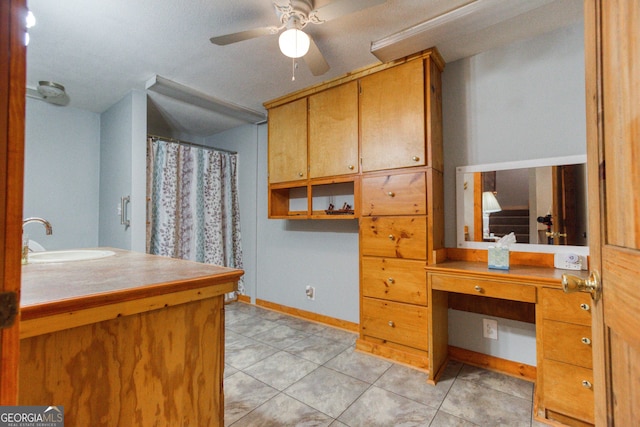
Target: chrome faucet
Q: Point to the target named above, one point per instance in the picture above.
(25, 238)
(42, 221)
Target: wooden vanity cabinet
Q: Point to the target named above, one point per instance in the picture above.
(288, 142)
(333, 131)
(565, 362)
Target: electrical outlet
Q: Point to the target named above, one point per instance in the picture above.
(490, 329)
(311, 292)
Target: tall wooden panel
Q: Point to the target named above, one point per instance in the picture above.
(12, 110)
(612, 56)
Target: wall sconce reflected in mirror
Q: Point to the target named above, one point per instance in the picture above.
(489, 205)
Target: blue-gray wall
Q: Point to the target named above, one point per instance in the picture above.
(62, 174)
(122, 172)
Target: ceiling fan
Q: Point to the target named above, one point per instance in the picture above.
(295, 16)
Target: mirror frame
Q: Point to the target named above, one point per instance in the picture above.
(523, 164)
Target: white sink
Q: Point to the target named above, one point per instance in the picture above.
(68, 255)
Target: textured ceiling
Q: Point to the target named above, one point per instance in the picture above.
(100, 50)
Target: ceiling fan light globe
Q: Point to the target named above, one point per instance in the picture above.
(294, 43)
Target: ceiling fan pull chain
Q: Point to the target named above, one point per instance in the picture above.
(293, 69)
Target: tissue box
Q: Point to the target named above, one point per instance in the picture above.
(498, 258)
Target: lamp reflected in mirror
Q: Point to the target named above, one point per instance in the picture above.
(489, 205)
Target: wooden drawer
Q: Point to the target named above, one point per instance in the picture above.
(397, 237)
(404, 324)
(394, 279)
(567, 342)
(483, 287)
(403, 194)
(564, 391)
(572, 308)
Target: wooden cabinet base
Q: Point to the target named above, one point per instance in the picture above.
(397, 353)
(162, 367)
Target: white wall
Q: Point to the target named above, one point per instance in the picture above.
(62, 174)
(523, 101)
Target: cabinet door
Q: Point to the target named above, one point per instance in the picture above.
(333, 131)
(392, 118)
(288, 142)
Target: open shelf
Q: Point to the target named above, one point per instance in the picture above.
(313, 199)
(333, 201)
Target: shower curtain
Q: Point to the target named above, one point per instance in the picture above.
(193, 211)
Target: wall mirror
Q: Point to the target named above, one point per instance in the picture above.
(542, 201)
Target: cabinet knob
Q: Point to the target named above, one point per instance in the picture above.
(392, 237)
(415, 158)
(351, 167)
(585, 340)
(586, 384)
(478, 288)
(300, 174)
(585, 307)
(391, 194)
(391, 280)
(393, 325)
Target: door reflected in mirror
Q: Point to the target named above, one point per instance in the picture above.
(543, 202)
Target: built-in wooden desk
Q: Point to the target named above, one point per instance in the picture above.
(563, 329)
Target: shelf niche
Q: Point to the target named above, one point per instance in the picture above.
(313, 200)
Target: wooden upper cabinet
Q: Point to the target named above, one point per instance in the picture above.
(333, 131)
(392, 118)
(288, 142)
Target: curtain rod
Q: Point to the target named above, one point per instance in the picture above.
(191, 144)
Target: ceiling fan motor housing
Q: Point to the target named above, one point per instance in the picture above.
(297, 14)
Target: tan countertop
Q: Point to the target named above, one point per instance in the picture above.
(58, 288)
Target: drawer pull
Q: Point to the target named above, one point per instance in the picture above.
(585, 340)
(586, 384)
(391, 280)
(585, 307)
(351, 167)
(415, 158)
(393, 325)
(478, 288)
(391, 194)
(392, 237)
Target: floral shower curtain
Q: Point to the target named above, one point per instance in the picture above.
(193, 206)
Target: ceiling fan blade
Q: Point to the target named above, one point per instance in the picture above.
(243, 35)
(339, 8)
(314, 59)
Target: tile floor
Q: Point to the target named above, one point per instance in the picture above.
(284, 371)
